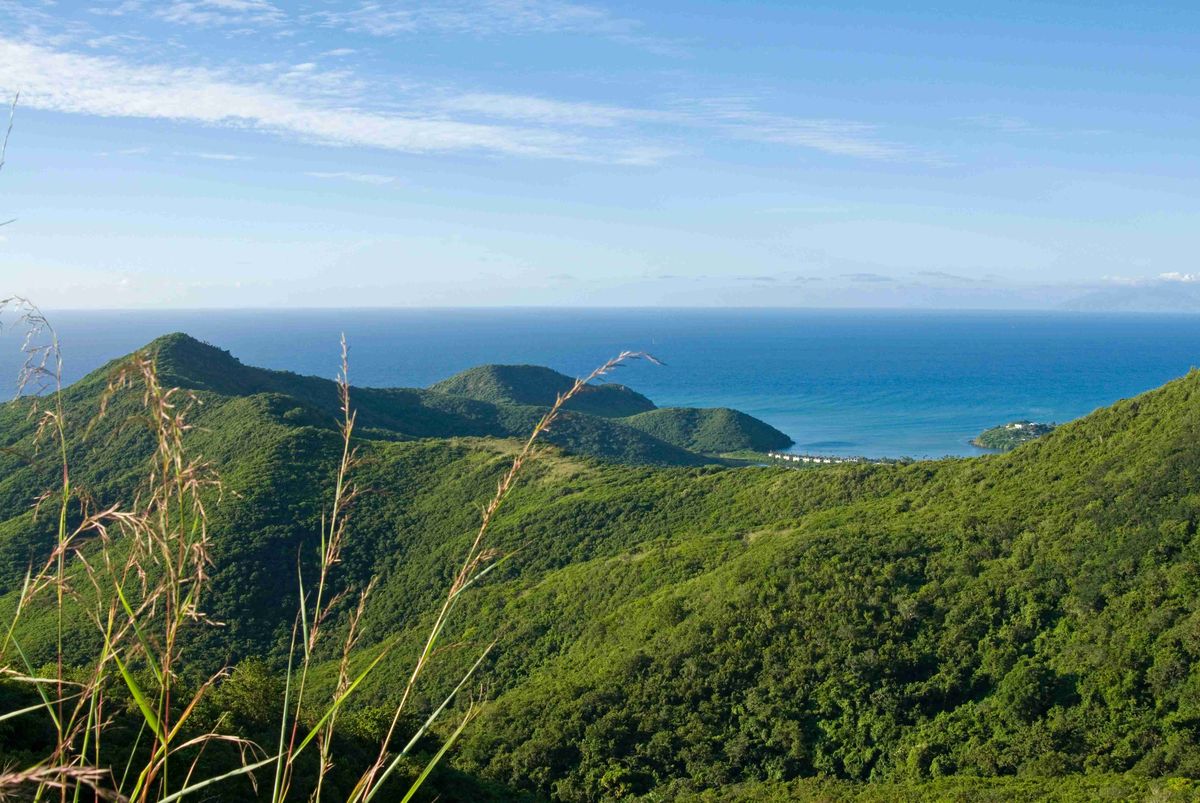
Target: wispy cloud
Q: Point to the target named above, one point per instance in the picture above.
(547, 111)
(118, 9)
(838, 137)
(739, 119)
(495, 18)
(1170, 277)
(120, 42)
(1008, 124)
(1005, 123)
(207, 13)
(338, 108)
(726, 119)
(942, 275)
(361, 178)
(137, 151)
(484, 17)
(814, 209)
(221, 157)
(876, 278)
(70, 82)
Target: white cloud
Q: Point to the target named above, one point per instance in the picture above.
(1008, 124)
(138, 151)
(1142, 281)
(126, 43)
(735, 120)
(338, 52)
(372, 19)
(739, 120)
(119, 10)
(481, 17)
(361, 178)
(543, 110)
(220, 12)
(336, 108)
(222, 157)
(107, 87)
(838, 137)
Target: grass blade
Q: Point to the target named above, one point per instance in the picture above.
(187, 790)
(140, 698)
(433, 762)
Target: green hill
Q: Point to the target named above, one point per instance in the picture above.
(608, 421)
(539, 387)
(714, 431)
(408, 413)
(956, 629)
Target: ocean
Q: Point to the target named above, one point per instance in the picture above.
(853, 383)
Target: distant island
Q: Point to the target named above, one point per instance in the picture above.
(1009, 436)
(1182, 295)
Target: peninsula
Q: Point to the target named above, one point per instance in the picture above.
(1009, 436)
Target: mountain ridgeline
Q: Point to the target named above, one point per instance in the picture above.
(710, 431)
(603, 420)
(538, 386)
(1018, 626)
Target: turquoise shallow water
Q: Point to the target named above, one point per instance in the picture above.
(872, 383)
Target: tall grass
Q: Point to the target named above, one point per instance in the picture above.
(138, 572)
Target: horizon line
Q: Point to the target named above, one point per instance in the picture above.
(613, 308)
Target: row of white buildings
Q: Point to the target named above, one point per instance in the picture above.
(809, 458)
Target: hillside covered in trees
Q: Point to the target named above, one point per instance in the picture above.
(1009, 626)
(538, 386)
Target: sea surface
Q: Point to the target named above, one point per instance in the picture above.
(869, 383)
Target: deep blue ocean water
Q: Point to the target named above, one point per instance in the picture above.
(872, 383)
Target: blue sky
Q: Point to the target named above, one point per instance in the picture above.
(196, 153)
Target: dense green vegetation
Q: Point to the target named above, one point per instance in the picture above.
(972, 629)
(703, 431)
(1007, 437)
(538, 386)
(707, 432)
(490, 401)
(1070, 789)
(711, 431)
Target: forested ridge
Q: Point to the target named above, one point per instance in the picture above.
(536, 385)
(1002, 625)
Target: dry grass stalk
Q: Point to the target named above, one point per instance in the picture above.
(477, 562)
(145, 568)
(333, 535)
(140, 596)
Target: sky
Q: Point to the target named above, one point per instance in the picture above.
(263, 153)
